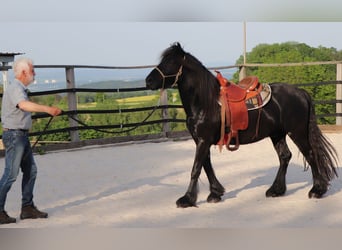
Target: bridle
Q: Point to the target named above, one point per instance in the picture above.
(176, 76)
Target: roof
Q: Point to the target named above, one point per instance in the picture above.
(9, 54)
(8, 57)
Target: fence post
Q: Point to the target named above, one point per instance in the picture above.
(242, 72)
(165, 112)
(338, 93)
(4, 79)
(72, 101)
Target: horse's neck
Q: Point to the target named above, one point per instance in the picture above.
(189, 98)
(193, 101)
(187, 101)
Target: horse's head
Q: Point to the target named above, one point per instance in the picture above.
(169, 70)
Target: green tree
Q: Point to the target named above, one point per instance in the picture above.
(293, 52)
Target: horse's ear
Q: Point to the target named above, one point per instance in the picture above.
(179, 47)
(176, 44)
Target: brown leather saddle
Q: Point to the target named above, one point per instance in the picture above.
(234, 112)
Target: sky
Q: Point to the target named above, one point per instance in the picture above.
(135, 32)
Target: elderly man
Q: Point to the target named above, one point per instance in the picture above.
(16, 121)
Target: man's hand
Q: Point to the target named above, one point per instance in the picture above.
(54, 111)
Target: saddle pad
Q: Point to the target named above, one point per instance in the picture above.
(265, 94)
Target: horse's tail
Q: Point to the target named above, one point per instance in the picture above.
(324, 154)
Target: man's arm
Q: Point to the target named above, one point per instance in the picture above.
(35, 107)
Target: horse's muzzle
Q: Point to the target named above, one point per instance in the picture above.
(149, 83)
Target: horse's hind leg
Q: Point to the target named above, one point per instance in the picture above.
(320, 184)
(278, 187)
(216, 189)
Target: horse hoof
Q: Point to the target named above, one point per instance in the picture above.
(273, 192)
(213, 198)
(185, 202)
(317, 191)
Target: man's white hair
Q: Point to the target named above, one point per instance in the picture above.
(21, 64)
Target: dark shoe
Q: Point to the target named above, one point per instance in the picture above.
(5, 219)
(31, 212)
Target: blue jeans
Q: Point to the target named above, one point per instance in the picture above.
(18, 154)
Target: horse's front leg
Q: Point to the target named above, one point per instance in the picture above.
(216, 189)
(190, 197)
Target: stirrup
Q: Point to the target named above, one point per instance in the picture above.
(236, 145)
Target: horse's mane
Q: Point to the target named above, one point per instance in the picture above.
(205, 85)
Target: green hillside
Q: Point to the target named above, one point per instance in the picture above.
(113, 84)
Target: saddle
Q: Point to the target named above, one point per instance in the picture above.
(234, 112)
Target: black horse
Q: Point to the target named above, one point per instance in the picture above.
(289, 112)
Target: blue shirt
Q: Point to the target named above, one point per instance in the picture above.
(12, 117)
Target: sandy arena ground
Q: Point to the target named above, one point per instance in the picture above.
(135, 185)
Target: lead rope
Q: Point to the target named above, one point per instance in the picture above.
(114, 132)
(122, 131)
(177, 75)
(40, 136)
(99, 130)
